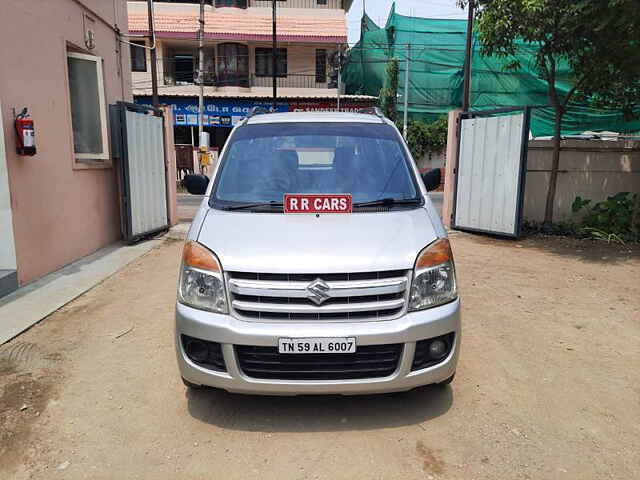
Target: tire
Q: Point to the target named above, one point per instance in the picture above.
(192, 386)
(446, 382)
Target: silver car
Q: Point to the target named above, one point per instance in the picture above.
(316, 264)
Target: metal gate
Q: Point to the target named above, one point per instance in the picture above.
(491, 170)
(138, 140)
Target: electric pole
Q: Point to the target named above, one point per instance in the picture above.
(339, 74)
(468, 58)
(154, 57)
(406, 92)
(274, 42)
(201, 72)
(363, 26)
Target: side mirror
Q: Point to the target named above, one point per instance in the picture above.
(432, 179)
(196, 184)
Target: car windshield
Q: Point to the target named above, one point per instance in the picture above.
(265, 161)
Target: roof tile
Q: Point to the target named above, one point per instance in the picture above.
(250, 23)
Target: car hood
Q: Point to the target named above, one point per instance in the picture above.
(279, 243)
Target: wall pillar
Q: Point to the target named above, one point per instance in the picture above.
(450, 167)
(170, 166)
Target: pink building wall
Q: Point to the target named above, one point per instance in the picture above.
(62, 210)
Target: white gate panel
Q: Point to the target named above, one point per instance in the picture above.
(490, 173)
(146, 178)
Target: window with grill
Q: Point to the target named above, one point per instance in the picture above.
(321, 66)
(233, 64)
(264, 62)
(322, 2)
(138, 57)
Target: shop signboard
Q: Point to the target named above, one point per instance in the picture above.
(218, 112)
(227, 112)
(327, 106)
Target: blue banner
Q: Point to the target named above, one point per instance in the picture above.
(218, 112)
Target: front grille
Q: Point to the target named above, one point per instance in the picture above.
(309, 277)
(347, 296)
(371, 361)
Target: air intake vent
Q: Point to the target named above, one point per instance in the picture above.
(371, 361)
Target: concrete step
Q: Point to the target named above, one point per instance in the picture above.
(8, 282)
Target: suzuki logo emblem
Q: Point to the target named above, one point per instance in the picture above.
(318, 291)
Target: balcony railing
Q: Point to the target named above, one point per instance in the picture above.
(297, 3)
(231, 79)
(189, 78)
(292, 80)
(266, 3)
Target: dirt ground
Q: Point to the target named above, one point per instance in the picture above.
(548, 385)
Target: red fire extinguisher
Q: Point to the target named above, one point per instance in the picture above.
(26, 134)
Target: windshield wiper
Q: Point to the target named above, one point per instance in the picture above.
(248, 206)
(384, 202)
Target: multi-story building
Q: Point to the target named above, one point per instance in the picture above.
(238, 59)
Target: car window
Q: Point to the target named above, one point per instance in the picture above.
(264, 162)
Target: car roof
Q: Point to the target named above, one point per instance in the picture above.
(321, 117)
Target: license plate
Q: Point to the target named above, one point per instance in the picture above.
(312, 203)
(317, 345)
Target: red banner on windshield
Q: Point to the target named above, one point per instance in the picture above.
(310, 203)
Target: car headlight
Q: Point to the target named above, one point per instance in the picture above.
(201, 282)
(434, 277)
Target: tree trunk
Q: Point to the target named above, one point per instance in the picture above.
(553, 179)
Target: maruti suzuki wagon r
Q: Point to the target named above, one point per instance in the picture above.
(316, 264)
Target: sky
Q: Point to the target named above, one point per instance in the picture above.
(379, 9)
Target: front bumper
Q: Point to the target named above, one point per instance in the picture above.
(230, 331)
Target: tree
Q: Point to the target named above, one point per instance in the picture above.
(389, 93)
(427, 137)
(598, 38)
(614, 35)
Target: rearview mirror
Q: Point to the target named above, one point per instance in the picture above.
(196, 184)
(432, 179)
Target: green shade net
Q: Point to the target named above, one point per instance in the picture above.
(436, 54)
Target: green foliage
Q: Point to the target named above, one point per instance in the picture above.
(612, 33)
(611, 219)
(417, 139)
(603, 235)
(579, 203)
(389, 93)
(427, 137)
(438, 132)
